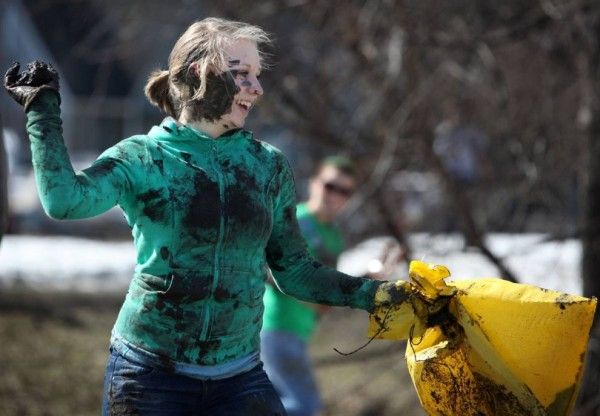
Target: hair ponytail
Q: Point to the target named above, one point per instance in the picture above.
(157, 92)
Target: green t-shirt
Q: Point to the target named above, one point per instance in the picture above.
(285, 313)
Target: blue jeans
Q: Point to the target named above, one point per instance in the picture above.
(288, 365)
(132, 388)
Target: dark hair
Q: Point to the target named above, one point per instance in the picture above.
(341, 163)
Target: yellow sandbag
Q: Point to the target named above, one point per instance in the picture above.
(498, 348)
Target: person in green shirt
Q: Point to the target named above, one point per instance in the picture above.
(288, 323)
(211, 209)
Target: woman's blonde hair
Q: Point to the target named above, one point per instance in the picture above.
(202, 43)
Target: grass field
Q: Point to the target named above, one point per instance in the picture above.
(54, 346)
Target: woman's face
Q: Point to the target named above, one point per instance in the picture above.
(244, 66)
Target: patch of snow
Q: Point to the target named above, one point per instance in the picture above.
(554, 265)
(66, 263)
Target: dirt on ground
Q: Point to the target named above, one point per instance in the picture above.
(54, 349)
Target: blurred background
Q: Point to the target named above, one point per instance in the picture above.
(475, 127)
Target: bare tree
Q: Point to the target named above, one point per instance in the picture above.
(588, 25)
(3, 185)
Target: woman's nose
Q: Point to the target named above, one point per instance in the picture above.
(256, 88)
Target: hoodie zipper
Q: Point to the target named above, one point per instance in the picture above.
(217, 255)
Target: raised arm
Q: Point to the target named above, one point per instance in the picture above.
(64, 193)
(295, 272)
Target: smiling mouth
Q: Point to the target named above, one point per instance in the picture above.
(245, 104)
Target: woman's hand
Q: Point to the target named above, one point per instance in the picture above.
(394, 294)
(26, 86)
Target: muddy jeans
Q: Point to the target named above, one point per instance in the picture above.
(132, 388)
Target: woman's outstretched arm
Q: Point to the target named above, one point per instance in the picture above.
(64, 193)
(295, 272)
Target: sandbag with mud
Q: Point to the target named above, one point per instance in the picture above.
(496, 348)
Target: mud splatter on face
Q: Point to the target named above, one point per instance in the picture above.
(218, 98)
(243, 75)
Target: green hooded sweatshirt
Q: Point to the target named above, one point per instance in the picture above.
(209, 217)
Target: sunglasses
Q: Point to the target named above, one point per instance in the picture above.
(335, 188)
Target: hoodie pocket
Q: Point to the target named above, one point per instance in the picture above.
(189, 287)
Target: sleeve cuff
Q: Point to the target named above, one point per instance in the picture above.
(46, 99)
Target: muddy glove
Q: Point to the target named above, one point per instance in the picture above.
(391, 294)
(395, 294)
(404, 310)
(25, 87)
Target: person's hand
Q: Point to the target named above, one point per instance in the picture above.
(415, 306)
(391, 294)
(26, 86)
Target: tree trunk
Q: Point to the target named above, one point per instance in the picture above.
(589, 398)
(591, 222)
(3, 184)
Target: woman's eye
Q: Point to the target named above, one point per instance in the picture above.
(236, 72)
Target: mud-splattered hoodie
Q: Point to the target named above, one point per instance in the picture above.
(209, 217)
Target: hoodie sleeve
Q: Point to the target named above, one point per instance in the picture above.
(295, 271)
(64, 193)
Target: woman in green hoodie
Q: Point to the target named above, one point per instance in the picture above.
(211, 210)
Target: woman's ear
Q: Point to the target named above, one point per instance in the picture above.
(195, 69)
